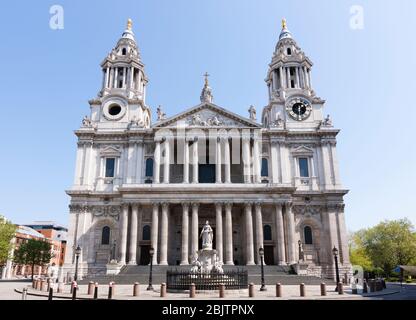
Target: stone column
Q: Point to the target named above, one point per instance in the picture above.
(249, 235)
(288, 77)
(154, 231)
(342, 238)
(229, 260)
(107, 76)
(256, 161)
(133, 235)
(297, 77)
(290, 220)
(185, 233)
(186, 162)
(156, 162)
(280, 235)
(195, 161)
(327, 164)
(218, 161)
(218, 231)
(115, 78)
(259, 231)
(164, 235)
(166, 167)
(123, 232)
(195, 230)
(227, 159)
(246, 158)
(275, 85)
(281, 77)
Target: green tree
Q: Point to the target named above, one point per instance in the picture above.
(7, 231)
(358, 254)
(33, 253)
(390, 243)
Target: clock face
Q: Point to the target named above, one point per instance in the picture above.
(299, 109)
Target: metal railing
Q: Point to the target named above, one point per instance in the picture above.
(181, 280)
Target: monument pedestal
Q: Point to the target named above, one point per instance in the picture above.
(113, 268)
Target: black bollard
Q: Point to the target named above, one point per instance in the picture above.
(74, 291)
(50, 294)
(96, 291)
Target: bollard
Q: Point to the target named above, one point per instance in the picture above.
(251, 290)
(163, 290)
(24, 294)
(365, 288)
(136, 289)
(90, 288)
(278, 290)
(340, 288)
(323, 289)
(34, 283)
(110, 290)
(74, 291)
(50, 296)
(222, 290)
(302, 290)
(72, 286)
(37, 284)
(96, 291)
(43, 285)
(49, 284)
(60, 287)
(192, 290)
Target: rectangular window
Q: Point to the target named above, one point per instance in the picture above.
(110, 165)
(303, 167)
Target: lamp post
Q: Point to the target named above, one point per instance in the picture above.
(151, 252)
(335, 252)
(261, 253)
(77, 254)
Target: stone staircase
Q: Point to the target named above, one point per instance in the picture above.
(272, 275)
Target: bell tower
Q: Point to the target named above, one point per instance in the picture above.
(122, 98)
(291, 95)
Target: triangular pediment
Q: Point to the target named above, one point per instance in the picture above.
(302, 150)
(110, 152)
(207, 115)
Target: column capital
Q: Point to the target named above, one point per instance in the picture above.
(218, 205)
(258, 204)
(247, 204)
(125, 206)
(195, 205)
(185, 205)
(228, 205)
(165, 205)
(288, 204)
(155, 205)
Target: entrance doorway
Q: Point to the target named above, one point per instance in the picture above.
(144, 255)
(268, 255)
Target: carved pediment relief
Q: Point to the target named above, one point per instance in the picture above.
(110, 152)
(207, 115)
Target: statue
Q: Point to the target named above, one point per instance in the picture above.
(327, 121)
(86, 122)
(53, 272)
(207, 235)
(160, 114)
(196, 264)
(252, 111)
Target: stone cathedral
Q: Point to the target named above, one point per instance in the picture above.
(269, 180)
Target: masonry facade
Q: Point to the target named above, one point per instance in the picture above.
(271, 182)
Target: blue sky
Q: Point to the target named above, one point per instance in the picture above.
(367, 77)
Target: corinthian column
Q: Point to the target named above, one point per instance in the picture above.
(195, 178)
(194, 235)
(259, 231)
(227, 160)
(166, 167)
(280, 235)
(186, 162)
(123, 231)
(249, 235)
(219, 245)
(229, 260)
(133, 235)
(290, 233)
(157, 163)
(218, 162)
(185, 233)
(164, 235)
(155, 229)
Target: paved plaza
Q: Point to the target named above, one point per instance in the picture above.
(12, 291)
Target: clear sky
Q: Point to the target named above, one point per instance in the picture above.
(366, 75)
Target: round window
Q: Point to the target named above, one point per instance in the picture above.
(114, 109)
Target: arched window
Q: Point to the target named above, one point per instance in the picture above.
(149, 167)
(267, 232)
(124, 51)
(105, 235)
(308, 235)
(264, 167)
(146, 232)
(289, 51)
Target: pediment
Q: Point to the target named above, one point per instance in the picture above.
(302, 150)
(207, 115)
(110, 152)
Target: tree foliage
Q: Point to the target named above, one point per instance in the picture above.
(7, 231)
(388, 244)
(33, 253)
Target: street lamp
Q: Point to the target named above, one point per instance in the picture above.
(77, 254)
(261, 253)
(335, 252)
(151, 252)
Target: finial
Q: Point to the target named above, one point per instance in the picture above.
(284, 23)
(206, 75)
(129, 24)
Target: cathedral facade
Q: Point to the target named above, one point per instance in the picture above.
(269, 180)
